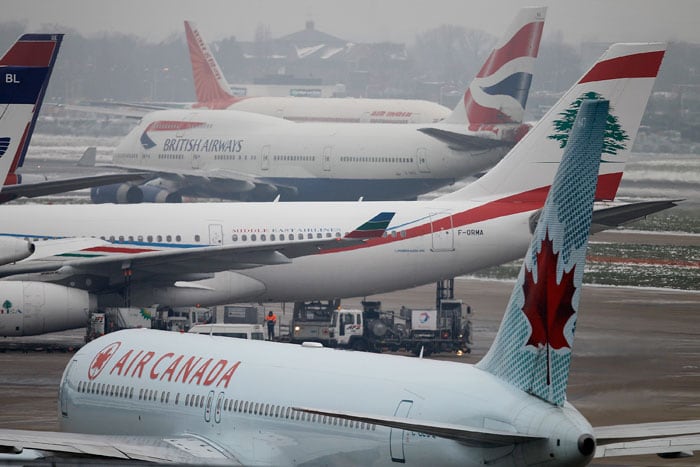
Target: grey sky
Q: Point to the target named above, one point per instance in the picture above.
(362, 20)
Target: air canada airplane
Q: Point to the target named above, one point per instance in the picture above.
(167, 397)
(245, 156)
(486, 223)
(213, 92)
(25, 69)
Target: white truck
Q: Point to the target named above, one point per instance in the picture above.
(446, 329)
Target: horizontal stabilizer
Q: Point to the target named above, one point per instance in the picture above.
(462, 142)
(471, 436)
(615, 216)
(667, 439)
(89, 157)
(50, 187)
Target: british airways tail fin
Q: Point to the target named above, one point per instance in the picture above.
(532, 349)
(624, 75)
(499, 92)
(25, 70)
(210, 86)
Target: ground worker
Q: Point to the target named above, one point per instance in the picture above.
(271, 320)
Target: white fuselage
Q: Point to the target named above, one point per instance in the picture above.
(315, 161)
(342, 110)
(239, 395)
(425, 241)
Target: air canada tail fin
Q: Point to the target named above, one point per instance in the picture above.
(210, 86)
(499, 92)
(532, 349)
(624, 75)
(25, 70)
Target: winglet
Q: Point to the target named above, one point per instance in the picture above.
(26, 69)
(375, 227)
(210, 86)
(532, 349)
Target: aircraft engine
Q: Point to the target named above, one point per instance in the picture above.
(14, 249)
(154, 194)
(120, 193)
(31, 308)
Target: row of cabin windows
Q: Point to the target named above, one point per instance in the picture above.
(171, 156)
(282, 237)
(233, 157)
(229, 405)
(126, 156)
(294, 158)
(400, 160)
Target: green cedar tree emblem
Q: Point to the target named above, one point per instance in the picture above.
(6, 306)
(614, 138)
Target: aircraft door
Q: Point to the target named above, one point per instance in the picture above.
(422, 160)
(265, 157)
(219, 403)
(216, 234)
(327, 153)
(442, 233)
(196, 161)
(63, 388)
(207, 406)
(396, 436)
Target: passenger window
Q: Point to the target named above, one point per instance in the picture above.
(262, 237)
(178, 238)
(244, 237)
(282, 237)
(168, 238)
(131, 238)
(255, 410)
(159, 238)
(286, 414)
(177, 398)
(337, 235)
(235, 406)
(140, 238)
(187, 399)
(272, 237)
(149, 239)
(196, 238)
(329, 235)
(253, 237)
(234, 237)
(267, 409)
(310, 236)
(300, 236)
(111, 238)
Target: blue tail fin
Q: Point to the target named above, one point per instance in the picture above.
(25, 70)
(532, 349)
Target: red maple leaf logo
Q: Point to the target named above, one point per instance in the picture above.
(101, 359)
(548, 304)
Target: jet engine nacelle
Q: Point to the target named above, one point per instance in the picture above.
(14, 249)
(31, 308)
(120, 193)
(154, 194)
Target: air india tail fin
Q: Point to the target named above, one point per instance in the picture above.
(532, 349)
(624, 75)
(210, 85)
(25, 70)
(499, 92)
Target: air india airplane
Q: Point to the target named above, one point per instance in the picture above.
(245, 156)
(159, 396)
(488, 222)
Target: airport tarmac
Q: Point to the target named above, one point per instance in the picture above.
(636, 357)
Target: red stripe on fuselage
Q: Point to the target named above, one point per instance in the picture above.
(514, 204)
(116, 249)
(29, 53)
(642, 65)
(520, 45)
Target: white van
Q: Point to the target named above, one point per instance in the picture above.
(241, 331)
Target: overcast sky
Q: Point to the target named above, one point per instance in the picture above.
(362, 20)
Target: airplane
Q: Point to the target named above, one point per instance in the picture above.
(213, 92)
(26, 69)
(245, 156)
(486, 223)
(158, 396)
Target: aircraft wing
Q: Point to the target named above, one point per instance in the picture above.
(23, 445)
(471, 436)
(49, 187)
(667, 439)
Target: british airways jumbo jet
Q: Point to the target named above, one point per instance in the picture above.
(488, 222)
(240, 155)
(157, 396)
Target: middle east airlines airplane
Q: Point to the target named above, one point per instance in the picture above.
(245, 156)
(486, 223)
(146, 395)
